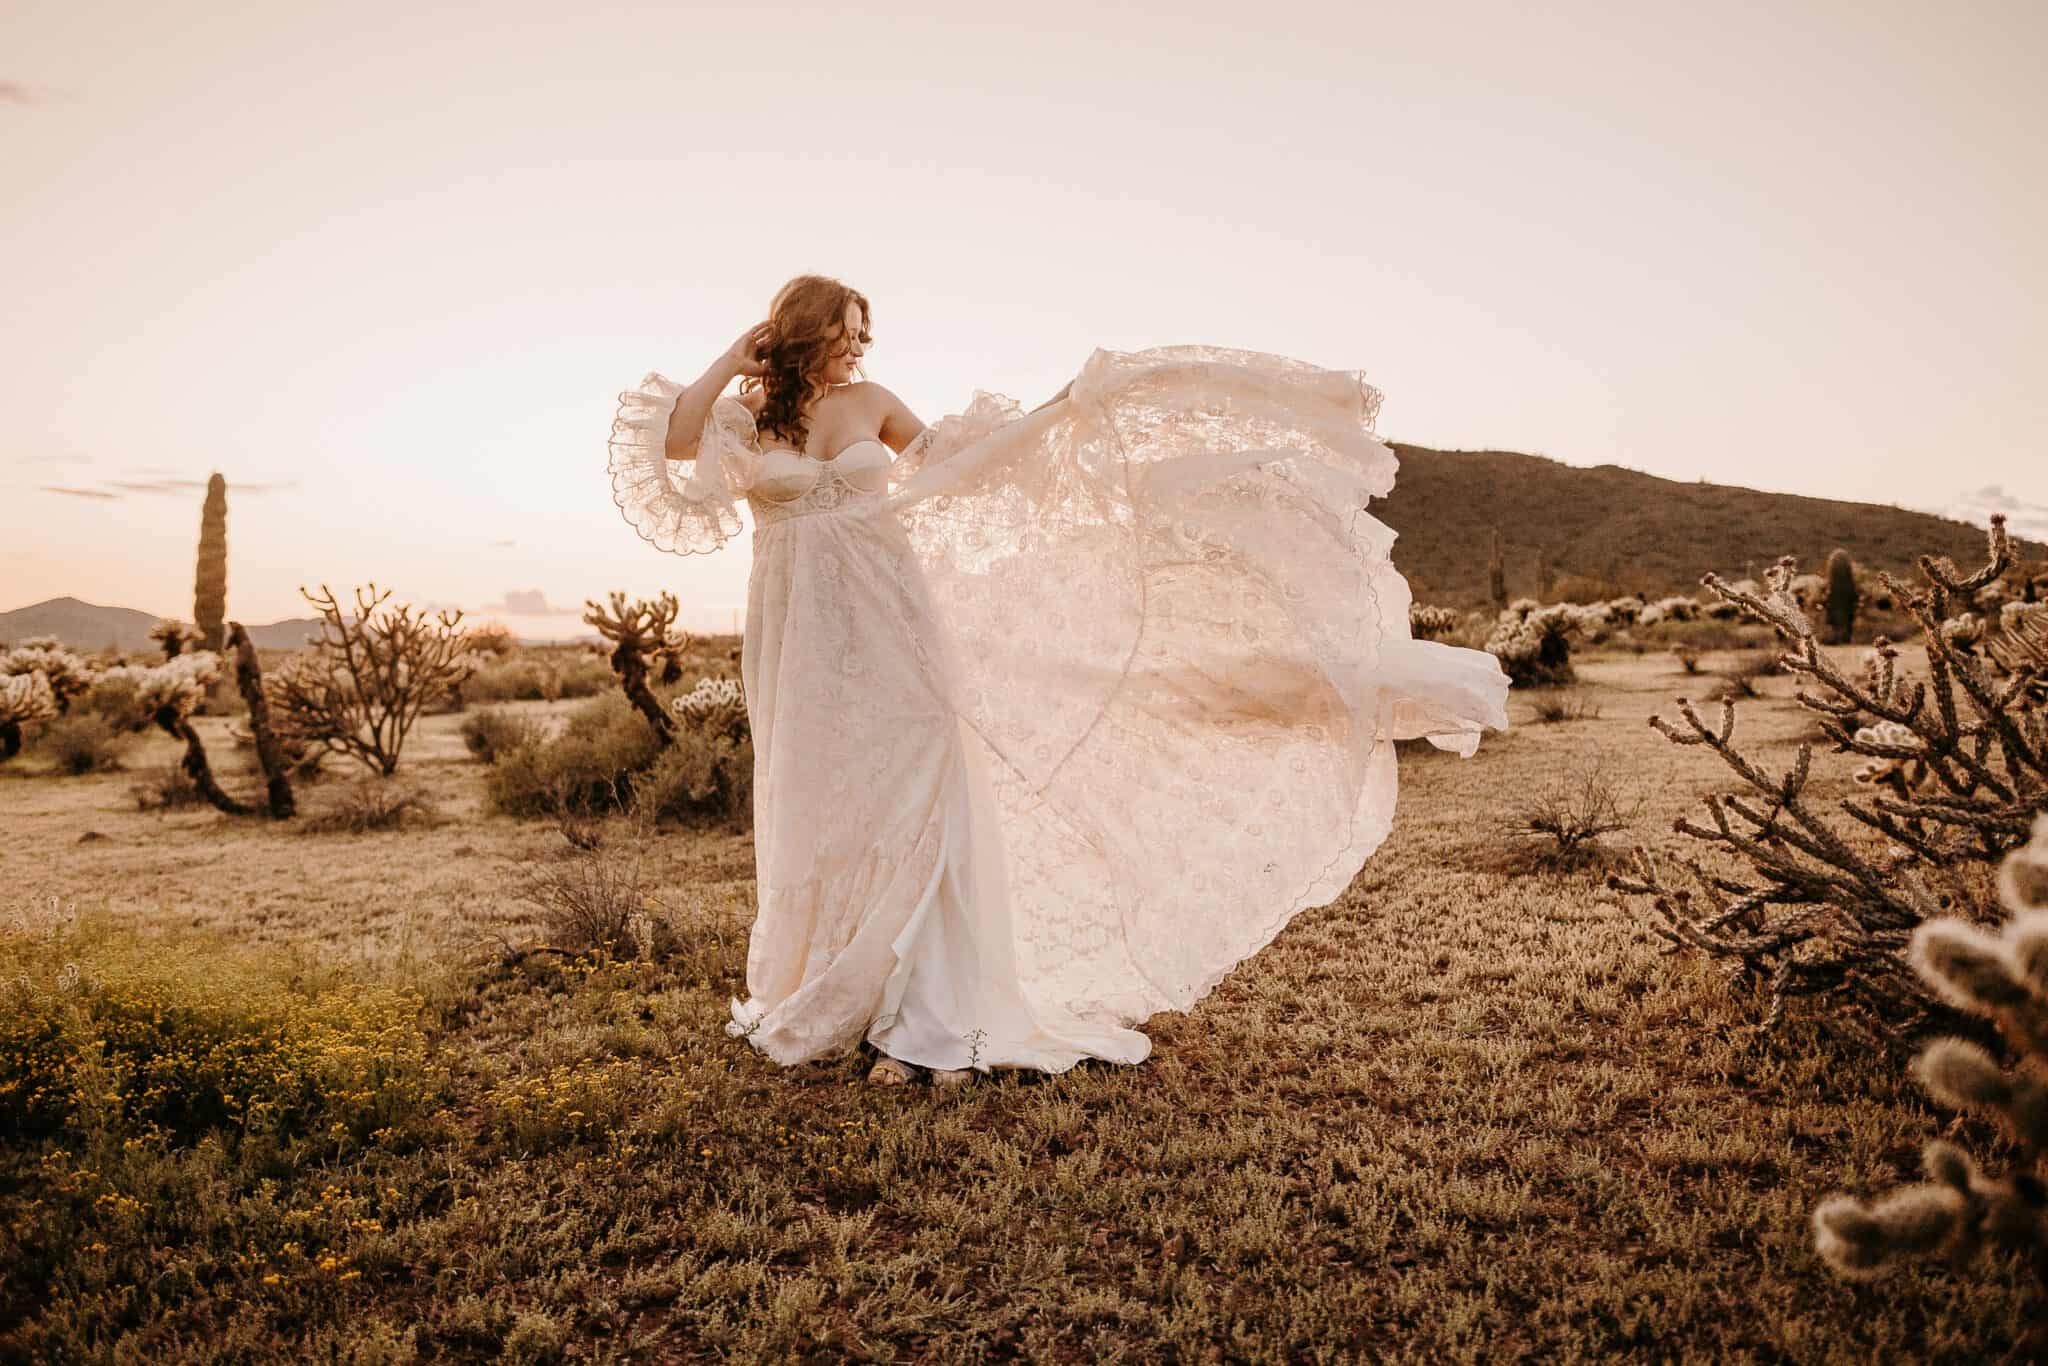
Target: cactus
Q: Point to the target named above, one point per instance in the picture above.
(173, 637)
(1496, 572)
(364, 681)
(1959, 1209)
(1841, 597)
(24, 697)
(640, 632)
(1546, 573)
(68, 676)
(170, 692)
(269, 752)
(1533, 643)
(1960, 771)
(210, 582)
(1430, 623)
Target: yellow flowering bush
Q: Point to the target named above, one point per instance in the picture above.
(105, 1035)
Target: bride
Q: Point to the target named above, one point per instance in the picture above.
(1058, 715)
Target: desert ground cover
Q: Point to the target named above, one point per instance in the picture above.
(1467, 1111)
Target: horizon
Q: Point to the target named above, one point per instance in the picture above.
(401, 342)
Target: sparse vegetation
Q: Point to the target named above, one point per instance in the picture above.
(1961, 770)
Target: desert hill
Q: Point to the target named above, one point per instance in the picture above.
(1636, 530)
(89, 626)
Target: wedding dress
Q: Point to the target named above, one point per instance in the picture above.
(1057, 716)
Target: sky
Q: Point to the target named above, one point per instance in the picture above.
(386, 267)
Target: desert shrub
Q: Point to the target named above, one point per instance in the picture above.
(1587, 798)
(82, 743)
(166, 789)
(703, 776)
(1825, 910)
(1533, 643)
(588, 767)
(371, 803)
(1960, 1210)
(491, 638)
(1688, 658)
(116, 694)
(1563, 705)
(495, 730)
(590, 902)
(531, 677)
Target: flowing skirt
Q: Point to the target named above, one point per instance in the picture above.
(1080, 714)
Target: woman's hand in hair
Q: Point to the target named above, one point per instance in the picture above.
(749, 355)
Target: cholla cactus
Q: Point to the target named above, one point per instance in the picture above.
(1625, 611)
(1963, 633)
(170, 692)
(366, 679)
(68, 675)
(173, 636)
(640, 632)
(23, 698)
(715, 705)
(1533, 643)
(1820, 915)
(1430, 623)
(1669, 609)
(173, 690)
(1960, 1209)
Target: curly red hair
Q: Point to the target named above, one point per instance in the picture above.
(807, 321)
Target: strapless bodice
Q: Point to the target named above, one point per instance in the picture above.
(787, 483)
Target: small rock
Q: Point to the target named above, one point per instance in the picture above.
(89, 836)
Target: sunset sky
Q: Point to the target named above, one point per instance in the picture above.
(386, 267)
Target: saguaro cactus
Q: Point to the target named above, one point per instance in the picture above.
(210, 583)
(1496, 571)
(1841, 597)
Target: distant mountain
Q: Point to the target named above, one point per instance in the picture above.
(89, 626)
(1640, 532)
(1644, 533)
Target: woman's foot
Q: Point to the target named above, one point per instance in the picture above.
(952, 1076)
(891, 1072)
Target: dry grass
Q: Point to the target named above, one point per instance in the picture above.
(1460, 1114)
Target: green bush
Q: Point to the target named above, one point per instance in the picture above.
(702, 777)
(496, 730)
(588, 767)
(82, 742)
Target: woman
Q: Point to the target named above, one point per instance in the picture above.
(1057, 716)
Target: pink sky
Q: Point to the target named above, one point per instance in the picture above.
(387, 266)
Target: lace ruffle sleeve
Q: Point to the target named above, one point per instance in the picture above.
(692, 509)
(955, 432)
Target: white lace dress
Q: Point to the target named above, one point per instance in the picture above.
(1057, 717)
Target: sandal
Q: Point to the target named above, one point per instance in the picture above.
(891, 1072)
(952, 1076)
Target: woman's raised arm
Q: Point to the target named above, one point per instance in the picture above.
(747, 356)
